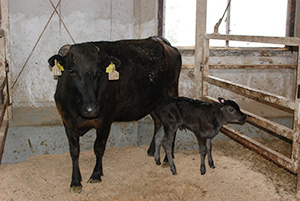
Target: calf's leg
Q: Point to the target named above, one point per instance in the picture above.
(73, 139)
(203, 151)
(159, 137)
(173, 145)
(209, 155)
(169, 134)
(157, 126)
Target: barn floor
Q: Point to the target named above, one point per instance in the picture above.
(130, 174)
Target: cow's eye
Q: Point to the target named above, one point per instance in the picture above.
(230, 110)
(73, 74)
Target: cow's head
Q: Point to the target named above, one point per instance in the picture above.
(83, 73)
(231, 111)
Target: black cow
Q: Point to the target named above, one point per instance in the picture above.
(85, 97)
(202, 118)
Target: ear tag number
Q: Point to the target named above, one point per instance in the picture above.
(113, 74)
(56, 70)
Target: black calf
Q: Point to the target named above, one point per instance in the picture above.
(202, 118)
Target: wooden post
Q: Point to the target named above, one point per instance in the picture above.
(199, 40)
(296, 136)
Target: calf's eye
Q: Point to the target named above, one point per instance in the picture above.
(230, 110)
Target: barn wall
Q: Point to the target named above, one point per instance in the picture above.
(89, 20)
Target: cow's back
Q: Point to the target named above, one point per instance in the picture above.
(149, 71)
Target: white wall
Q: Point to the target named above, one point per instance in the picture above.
(88, 20)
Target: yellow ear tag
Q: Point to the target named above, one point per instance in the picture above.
(109, 68)
(55, 69)
(60, 67)
(113, 74)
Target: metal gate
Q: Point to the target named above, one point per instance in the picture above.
(4, 90)
(292, 163)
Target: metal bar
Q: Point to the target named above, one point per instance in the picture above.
(260, 148)
(252, 66)
(264, 123)
(292, 41)
(61, 21)
(258, 95)
(36, 43)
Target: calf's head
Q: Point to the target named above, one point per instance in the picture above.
(231, 111)
(83, 74)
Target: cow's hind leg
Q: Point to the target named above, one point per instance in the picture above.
(157, 126)
(73, 139)
(99, 149)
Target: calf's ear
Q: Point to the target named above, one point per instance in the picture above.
(221, 100)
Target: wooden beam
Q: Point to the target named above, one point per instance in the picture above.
(3, 132)
(260, 148)
(252, 66)
(292, 41)
(255, 94)
(201, 7)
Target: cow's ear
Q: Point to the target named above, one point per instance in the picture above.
(221, 100)
(113, 60)
(58, 58)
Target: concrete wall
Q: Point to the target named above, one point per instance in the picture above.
(89, 20)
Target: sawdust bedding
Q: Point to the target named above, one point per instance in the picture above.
(129, 174)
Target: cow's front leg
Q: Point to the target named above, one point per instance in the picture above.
(203, 151)
(99, 149)
(74, 152)
(209, 155)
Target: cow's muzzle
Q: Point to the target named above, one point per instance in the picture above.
(90, 111)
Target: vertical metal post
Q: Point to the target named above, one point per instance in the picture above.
(200, 30)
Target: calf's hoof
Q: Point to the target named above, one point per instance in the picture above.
(150, 152)
(173, 170)
(211, 165)
(203, 170)
(76, 189)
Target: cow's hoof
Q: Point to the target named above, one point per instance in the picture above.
(94, 181)
(76, 189)
(165, 164)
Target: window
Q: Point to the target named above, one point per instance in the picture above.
(247, 17)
